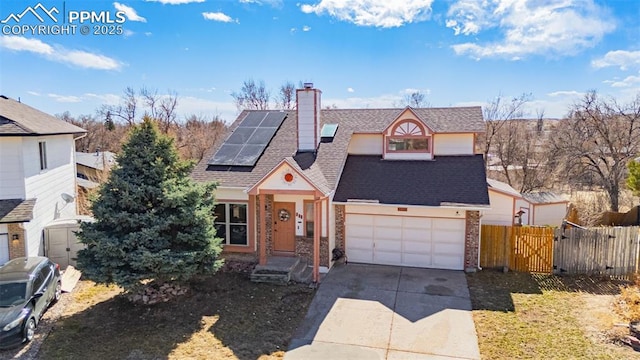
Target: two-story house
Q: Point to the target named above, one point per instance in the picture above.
(386, 186)
(37, 176)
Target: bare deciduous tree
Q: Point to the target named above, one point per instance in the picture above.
(252, 96)
(593, 145)
(416, 100)
(497, 113)
(125, 111)
(196, 135)
(286, 99)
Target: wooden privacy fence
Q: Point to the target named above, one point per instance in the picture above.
(607, 251)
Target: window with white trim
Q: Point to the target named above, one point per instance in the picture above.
(408, 136)
(231, 223)
(42, 147)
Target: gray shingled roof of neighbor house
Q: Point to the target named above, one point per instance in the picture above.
(16, 210)
(446, 180)
(18, 119)
(330, 156)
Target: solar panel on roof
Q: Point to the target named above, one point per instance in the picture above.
(262, 136)
(240, 136)
(273, 119)
(253, 119)
(249, 140)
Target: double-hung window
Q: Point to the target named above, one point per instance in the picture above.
(231, 223)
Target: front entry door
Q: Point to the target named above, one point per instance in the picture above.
(284, 226)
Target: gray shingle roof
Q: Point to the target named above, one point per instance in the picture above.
(504, 187)
(96, 160)
(18, 119)
(16, 210)
(444, 180)
(545, 197)
(331, 156)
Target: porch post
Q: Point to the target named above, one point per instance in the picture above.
(262, 245)
(317, 228)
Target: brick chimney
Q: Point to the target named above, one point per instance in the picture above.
(308, 125)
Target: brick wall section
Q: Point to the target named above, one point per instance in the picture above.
(339, 219)
(304, 249)
(471, 241)
(269, 225)
(16, 247)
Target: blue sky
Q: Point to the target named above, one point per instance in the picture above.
(360, 53)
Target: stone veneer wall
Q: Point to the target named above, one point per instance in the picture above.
(339, 226)
(269, 223)
(304, 249)
(16, 247)
(471, 241)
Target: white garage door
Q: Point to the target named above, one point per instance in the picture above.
(407, 241)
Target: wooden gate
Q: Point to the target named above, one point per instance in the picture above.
(527, 249)
(532, 249)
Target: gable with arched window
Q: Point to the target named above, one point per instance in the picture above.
(408, 139)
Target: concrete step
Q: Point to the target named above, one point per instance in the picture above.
(305, 276)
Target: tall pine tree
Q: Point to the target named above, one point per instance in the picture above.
(152, 221)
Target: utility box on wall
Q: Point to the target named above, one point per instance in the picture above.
(61, 242)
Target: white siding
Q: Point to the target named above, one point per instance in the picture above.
(48, 185)
(11, 170)
(501, 211)
(308, 119)
(549, 215)
(411, 211)
(225, 193)
(408, 156)
(366, 144)
(276, 181)
(453, 144)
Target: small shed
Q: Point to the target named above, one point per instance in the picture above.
(61, 242)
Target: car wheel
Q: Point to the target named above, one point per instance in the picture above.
(29, 329)
(58, 292)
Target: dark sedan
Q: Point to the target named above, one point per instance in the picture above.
(27, 287)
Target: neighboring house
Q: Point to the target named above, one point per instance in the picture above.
(93, 168)
(509, 207)
(37, 176)
(388, 186)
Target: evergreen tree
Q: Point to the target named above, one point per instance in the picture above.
(633, 179)
(152, 221)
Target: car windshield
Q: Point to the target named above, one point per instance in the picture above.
(12, 293)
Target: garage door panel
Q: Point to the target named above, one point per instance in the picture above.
(418, 260)
(359, 231)
(447, 248)
(422, 247)
(388, 221)
(388, 233)
(361, 255)
(417, 223)
(388, 245)
(387, 257)
(357, 219)
(450, 235)
(449, 262)
(416, 235)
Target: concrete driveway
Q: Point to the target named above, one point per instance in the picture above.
(387, 312)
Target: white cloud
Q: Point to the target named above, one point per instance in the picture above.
(176, 2)
(19, 43)
(378, 13)
(552, 27)
(306, 28)
(108, 99)
(148, 33)
(128, 33)
(34, 93)
(79, 58)
(293, 30)
(620, 58)
(274, 3)
(65, 98)
(350, 89)
(129, 12)
(566, 93)
(629, 81)
(218, 16)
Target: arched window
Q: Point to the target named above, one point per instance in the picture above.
(408, 136)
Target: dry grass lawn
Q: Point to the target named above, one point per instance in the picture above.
(524, 316)
(222, 317)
